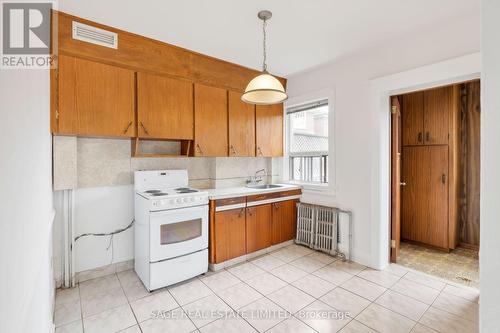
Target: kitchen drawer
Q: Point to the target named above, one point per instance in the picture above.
(263, 196)
(230, 201)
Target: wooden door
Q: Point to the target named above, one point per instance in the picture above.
(241, 126)
(95, 99)
(437, 194)
(437, 105)
(258, 227)
(229, 234)
(412, 119)
(164, 107)
(415, 173)
(395, 230)
(269, 130)
(210, 121)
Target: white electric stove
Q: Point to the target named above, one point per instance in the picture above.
(171, 228)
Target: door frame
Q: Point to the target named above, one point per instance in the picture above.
(395, 225)
(447, 72)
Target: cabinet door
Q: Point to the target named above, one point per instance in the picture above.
(412, 119)
(241, 126)
(164, 107)
(283, 226)
(415, 174)
(437, 219)
(258, 227)
(276, 223)
(95, 99)
(229, 234)
(210, 121)
(269, 130)
(437, 105)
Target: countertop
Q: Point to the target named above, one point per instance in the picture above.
(241, 191)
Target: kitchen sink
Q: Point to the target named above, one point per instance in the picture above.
(264, 186)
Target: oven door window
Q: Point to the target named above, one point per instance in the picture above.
(180, 231)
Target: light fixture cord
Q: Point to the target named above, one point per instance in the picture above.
(264, 65)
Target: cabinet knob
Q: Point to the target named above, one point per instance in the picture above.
(233, 151)
(199, 149)
(427, 136)
(259, 151)
(402, 183)
(419, 138)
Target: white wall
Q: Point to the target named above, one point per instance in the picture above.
(26, 284)
(356, 136)
(489, 259)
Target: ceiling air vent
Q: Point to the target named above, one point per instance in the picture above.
(95, 35)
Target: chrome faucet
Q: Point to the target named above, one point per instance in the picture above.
(256, 178)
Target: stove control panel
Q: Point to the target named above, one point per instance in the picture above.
(180, 202)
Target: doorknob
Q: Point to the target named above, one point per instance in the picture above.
(402, 183)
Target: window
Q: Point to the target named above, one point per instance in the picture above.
(308, 142)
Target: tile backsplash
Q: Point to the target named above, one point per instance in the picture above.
(95, 162)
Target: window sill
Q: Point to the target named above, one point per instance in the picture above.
(324, 189)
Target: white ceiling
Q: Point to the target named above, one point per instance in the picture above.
(302, 33)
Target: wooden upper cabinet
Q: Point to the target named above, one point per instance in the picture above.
(269, 130)
(95, 99)
(210, 121)
(241, 126)
(164, 107)
(438, 104)
(412, 119)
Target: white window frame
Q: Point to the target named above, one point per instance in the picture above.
(326, 94)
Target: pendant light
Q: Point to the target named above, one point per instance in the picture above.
(264, 89)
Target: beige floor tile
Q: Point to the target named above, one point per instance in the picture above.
(190, 291)
(458, 306)
(313, 285)
(266, 283)
(288, 273)
(300, 249)
(267, 262)
(416, 290)
(364, 288)
(384, 320)
(74, 327)
(322, 257)
(67, 312)
(344, 300)
(402, 304)
(396, 270)
(425, 280)
(145, 307)
(239, 295)
(446, 322)
(291, 298)
(98, 285)
(307, 264)
(355, 326)
(419, 328)
(67, 295)
(127, 277)
(112, 320)
(246, 271)
(333, 275)
(286, 255)
(469, 294)
(95, 303)
(291, 325)
(177, 322)
(350, 267)
(133, 329)
(381, 278)
(207, 310)
(136, 290)
(322, 318)
(235, 324)
(220, 281)
(263, 314)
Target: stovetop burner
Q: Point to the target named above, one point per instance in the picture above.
(158, 194)
(152, 191)
(187, 191)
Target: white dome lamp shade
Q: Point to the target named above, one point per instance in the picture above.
(264, 89)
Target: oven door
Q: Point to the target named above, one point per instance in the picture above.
(177, 232)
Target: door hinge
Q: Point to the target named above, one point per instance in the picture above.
(393, 243)
(394, 109)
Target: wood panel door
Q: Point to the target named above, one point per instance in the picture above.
(229, 234)
(437, 210)
(164, 108)
(95, 99)
(412, 119)
(395, 229)
(269, 130)
(210, 121)
(241, 126)
(437, 105)
(258, 227)
(415, 174)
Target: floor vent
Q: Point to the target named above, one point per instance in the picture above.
(95, 35)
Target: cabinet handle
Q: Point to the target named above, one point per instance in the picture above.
(233, 151)
(241, 212)
(259, 152)
(249, 211)
(128, 126)
(427, 136)
(443, 178)
(199, 149)
(419, 137)
(144, 128)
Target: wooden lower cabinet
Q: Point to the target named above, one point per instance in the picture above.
(258, 227)
(283, 223)
(229, 237)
